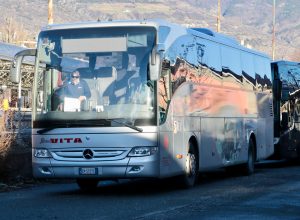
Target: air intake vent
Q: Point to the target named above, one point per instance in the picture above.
(204, 31)
(221, 37)
(271, 109)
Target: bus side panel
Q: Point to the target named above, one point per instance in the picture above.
(212, 143)
(265, 145)
(169, 166)
(223, 138)
(235, 140)
(261, 137)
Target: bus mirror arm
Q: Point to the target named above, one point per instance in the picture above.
(277, 89)
(15, 70)
(158, 49)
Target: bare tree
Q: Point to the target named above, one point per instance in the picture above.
(13, 32)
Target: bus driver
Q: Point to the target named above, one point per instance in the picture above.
(73, 94)
(77, 88)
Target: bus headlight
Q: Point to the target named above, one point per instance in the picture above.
(142, 151)
(42, 153)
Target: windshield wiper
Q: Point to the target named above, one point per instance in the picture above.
(67, 125)
(126, 124)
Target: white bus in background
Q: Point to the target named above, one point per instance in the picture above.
(165, 101)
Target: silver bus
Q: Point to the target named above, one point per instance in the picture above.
(164, 101)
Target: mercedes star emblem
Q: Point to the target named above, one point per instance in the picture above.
(88, 154)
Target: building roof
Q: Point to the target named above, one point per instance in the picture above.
(8, 51)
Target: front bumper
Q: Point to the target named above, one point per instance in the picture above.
(129, 167)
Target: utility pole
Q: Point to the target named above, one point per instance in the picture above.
(50, 11)
(219, 16)
(273, 32)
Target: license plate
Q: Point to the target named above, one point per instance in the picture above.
(88, 171)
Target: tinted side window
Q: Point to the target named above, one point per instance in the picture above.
(231, 60)
(248, 67)
(212, 55)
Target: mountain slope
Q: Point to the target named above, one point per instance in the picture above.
(247, 20)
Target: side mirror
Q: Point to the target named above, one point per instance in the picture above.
(15, 71)
(155, 61)
(155, 66)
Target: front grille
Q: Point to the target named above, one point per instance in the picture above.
(98, 154)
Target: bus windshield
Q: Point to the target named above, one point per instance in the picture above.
(94, 74)
(290, 77)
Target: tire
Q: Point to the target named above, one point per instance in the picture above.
(248, 168)
(190, 178)
(87, 184)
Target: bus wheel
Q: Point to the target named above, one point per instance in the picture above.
(249, 166)
(87, 184)
(190, 177)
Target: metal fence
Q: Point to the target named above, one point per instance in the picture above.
(15, 127)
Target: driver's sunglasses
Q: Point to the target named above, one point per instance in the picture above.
(75, 77)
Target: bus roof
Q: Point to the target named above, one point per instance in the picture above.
(175, 31)
(286, 62)
(116, 23)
